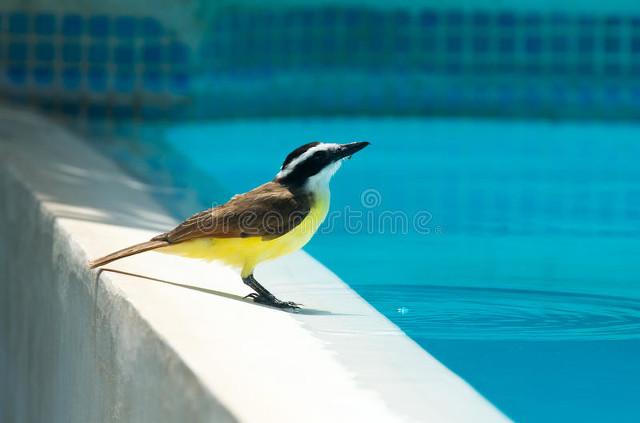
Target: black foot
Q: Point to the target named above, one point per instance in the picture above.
(274, 302)
(262, 296)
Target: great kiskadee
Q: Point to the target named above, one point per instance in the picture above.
(270, 221)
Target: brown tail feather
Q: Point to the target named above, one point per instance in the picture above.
(129, 251)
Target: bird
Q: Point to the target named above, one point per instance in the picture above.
(270, 221)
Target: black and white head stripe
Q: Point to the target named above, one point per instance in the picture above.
(298, 152)
(313, 164)
(307, 161)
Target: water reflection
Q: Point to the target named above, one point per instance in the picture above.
(438, 312)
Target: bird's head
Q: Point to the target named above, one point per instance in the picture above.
(312, 165)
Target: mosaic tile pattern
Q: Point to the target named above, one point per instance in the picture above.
(450, 42)
(98, 66)
(330, 60)
(429, 62)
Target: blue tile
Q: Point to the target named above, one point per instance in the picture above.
(152, 53)
(43, 76)
(72, 25)
(71, 53)
(18, 51)
(18, 23)
(71, 78)
(99, 26)
(586, 21)
(635, 95)
(0, 22)
(506, 19)
(97, 111)
(152, 81)
(124, 54)
(179, 53)
(352, 17)
(98, 54)
(151, 27)
(125, 81)
(635, 44)
(533, 44)
(506, 45)
(45, 51)
(97, 79)
(45, 24)
(17, 74)
(428, 18)
(179, 82)
(612, 21)
(125, 27)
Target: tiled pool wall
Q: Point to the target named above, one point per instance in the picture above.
(250, 61)
(93, 66)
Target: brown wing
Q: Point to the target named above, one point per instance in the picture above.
(269, 211)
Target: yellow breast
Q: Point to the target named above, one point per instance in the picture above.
(246, 253)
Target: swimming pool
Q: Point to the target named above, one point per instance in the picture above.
(508, 250)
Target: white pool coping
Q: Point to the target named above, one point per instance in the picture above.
(339, 360)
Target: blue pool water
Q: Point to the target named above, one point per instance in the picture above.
(508, 250)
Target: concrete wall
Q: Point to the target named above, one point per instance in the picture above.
(73, 348)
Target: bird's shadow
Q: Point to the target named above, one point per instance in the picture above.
(307, 311)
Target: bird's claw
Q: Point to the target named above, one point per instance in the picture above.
(274, 302)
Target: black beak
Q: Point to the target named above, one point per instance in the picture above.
(346, 150)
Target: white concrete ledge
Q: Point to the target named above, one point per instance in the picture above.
(167, 339)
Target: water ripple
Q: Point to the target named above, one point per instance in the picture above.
(439, 312)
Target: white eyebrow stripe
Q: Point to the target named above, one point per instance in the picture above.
(287, 170)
